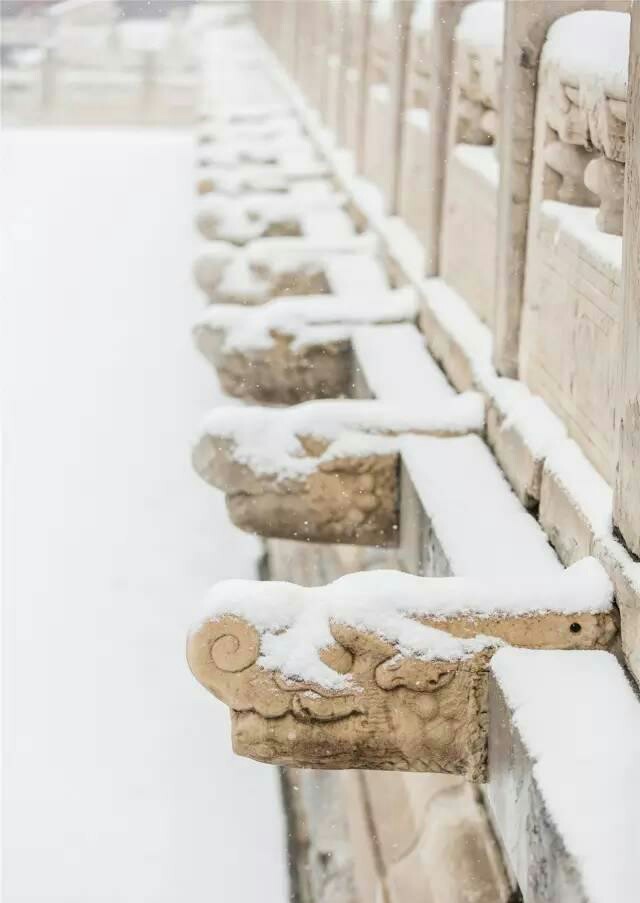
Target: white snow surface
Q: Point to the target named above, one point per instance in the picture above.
(306, 319)
(528, 415)
(589, 50)
(266, 439)
(397, 366)
(575, 223)
(481, 26)
(481, 525)
(457, 318)
(245, 218)
(294, 621)
(590, 492)
(573, 710)
(484, 160)
(120, 784)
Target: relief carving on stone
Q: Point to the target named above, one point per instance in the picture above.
(477, 77)
(323, 471)
(381, 670)
(586, 114)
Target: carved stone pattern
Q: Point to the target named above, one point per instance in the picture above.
(399, 712)
(599, 131)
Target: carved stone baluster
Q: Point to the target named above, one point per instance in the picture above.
(606, 179)
(570, 162)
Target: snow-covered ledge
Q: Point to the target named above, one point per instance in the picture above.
(274, 129)
(260, 177)
(563, 781)
(323, 471)
(294, 349)
(381, 669)
(240, 220)
(270, 267)
(275, 152)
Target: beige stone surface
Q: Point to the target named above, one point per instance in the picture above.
(397, 712)
(626, 507)
(567, 527)
(569, 334)
(282, 373)
(349, 500)
(468, 241)
(521, 466)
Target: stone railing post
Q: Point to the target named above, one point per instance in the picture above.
(527, 23)
(626, 505)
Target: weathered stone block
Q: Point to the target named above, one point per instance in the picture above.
(311, 675)
(295, 349)
(322, 472)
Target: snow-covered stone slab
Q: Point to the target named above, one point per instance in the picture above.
(273, 129)
(240, 220)
(323, 471)
(247, 113)
(458, 513)
(294, 349)
(392, 363)
(381, 669)
(521, 431)
(273, 267)
(275, 152)
(576, 504)
(456, 337)
(259, 177)
(564, 787)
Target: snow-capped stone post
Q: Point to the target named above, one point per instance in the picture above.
(382, 670)
(626, 505)
(573, 271)
(526, 26)
(322, 471)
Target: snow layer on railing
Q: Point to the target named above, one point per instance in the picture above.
(266, 439)
(484, 160)
(397, 366)
(419, 117)
(579, 720)
(455, 315)
(299, 317)
(361, 273)
(245, 271)
(590, 492)
(536, 424)
(589, 50)
(294, 621)
(480, 524)
(482, 26)
(579, 224)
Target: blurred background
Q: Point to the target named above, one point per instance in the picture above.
(86, 62)
(119, 783)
